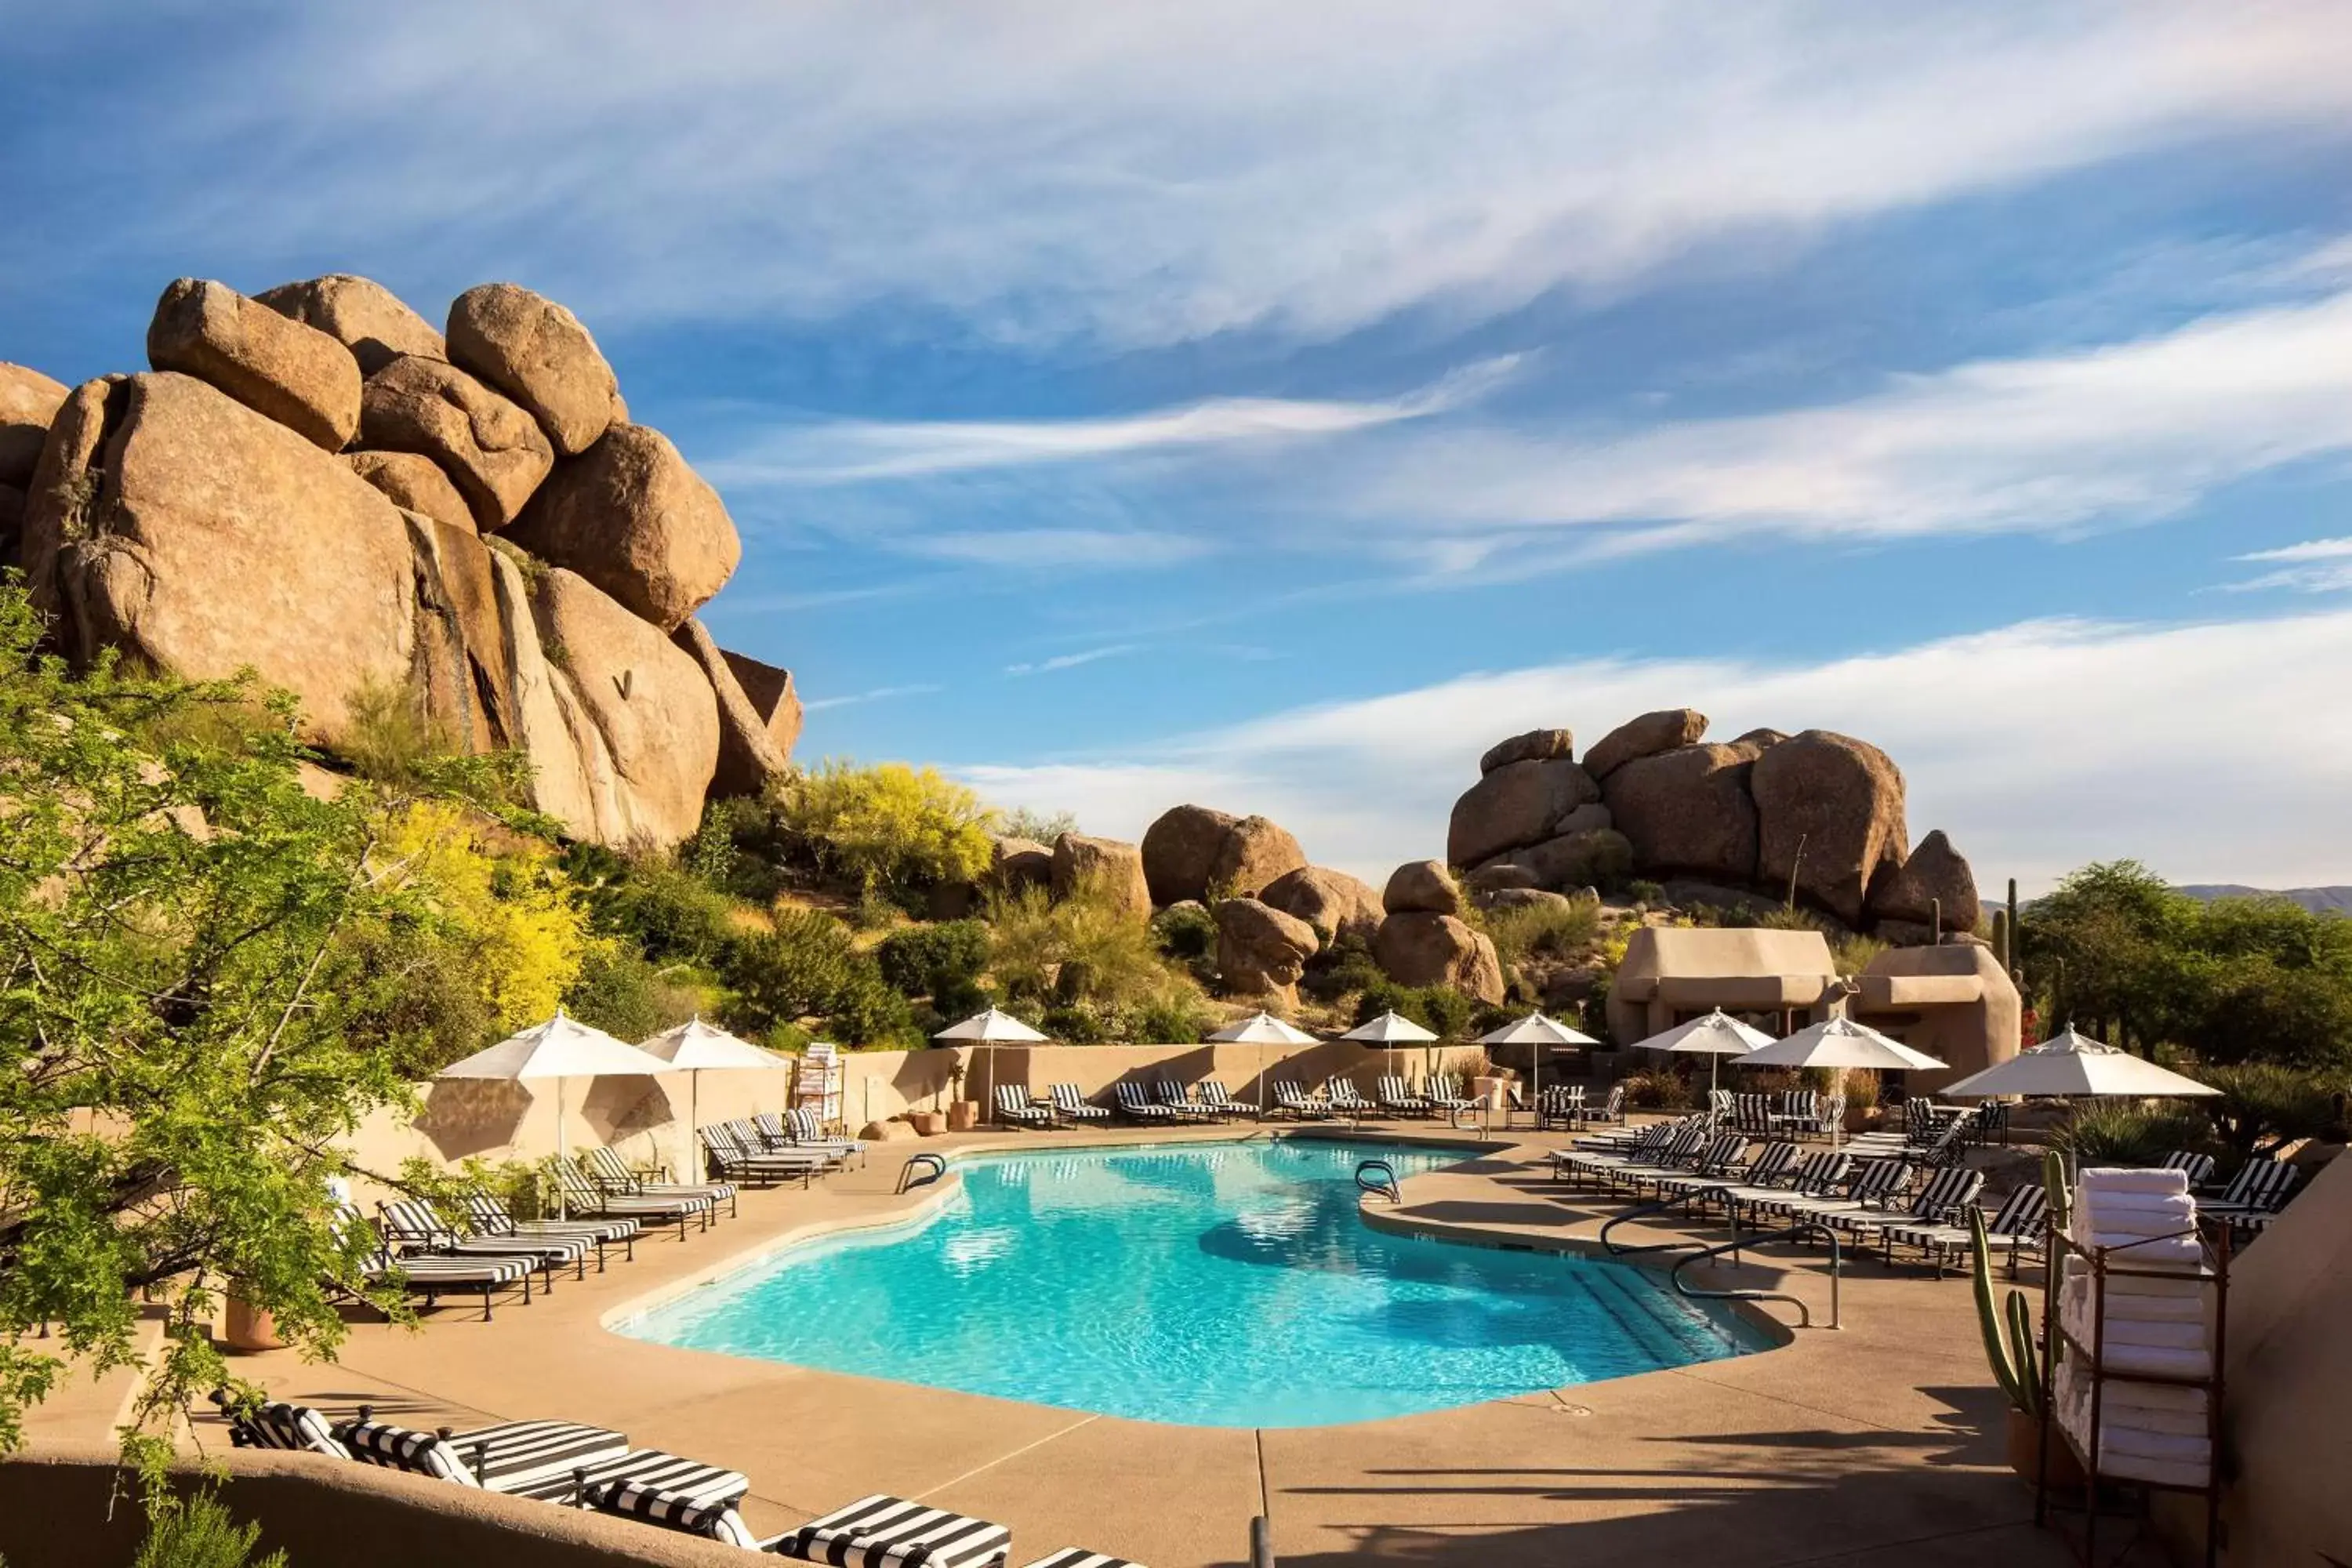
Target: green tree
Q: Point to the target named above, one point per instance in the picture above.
(892, 829)
(178, 1049)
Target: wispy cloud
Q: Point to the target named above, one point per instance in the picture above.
(2125, 431)
(1040, 548)
(1072, 661)
(2310, 550)
(879, 694)
(1139, 175)
(1993, 733)
(854, 451)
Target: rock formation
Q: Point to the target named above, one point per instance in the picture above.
(1114, 867)
(1426, 948)
(1261, 950)
(1332, 902)
(1822, 810)
(1422, 887)
(1194, 852)
(205, 516)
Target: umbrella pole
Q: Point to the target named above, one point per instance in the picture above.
(693, 1120)
(563, 1153)
(1260, 1096)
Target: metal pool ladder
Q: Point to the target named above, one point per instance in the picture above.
(1378, 1178)
(930, 1166)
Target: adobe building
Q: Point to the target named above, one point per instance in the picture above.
(1952, 1001)
(1781, 980)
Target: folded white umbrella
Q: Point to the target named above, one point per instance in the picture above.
(1263, 1029)
(1714, 1035)
(562, 1048)
(695, 1047)
(1541, 1031)
(990, 1028)
(2072, 1063)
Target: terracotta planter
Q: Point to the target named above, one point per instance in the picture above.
(927, 1123)
(246, 1328)
(963, 1115)
(2025, 1453)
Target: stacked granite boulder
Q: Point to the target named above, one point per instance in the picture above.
(314, 482)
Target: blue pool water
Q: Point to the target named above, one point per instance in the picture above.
(1208, 1285)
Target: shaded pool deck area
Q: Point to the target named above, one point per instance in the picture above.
(1877, 1444)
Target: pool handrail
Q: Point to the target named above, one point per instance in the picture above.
(1790, 1233)
(1378, 1178)
(935, 1164)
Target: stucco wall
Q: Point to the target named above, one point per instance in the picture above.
(58, 1508)
(1972, 1034)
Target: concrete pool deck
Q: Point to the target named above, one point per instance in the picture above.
(1878, 1444)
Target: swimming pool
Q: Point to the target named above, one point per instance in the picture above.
(1227, 1284)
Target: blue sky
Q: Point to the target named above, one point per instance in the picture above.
(1271, 406)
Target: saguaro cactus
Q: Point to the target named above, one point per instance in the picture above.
(2008, 1334)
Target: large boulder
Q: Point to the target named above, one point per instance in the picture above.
(458, 672)
(640, 709)
(360, 313)
(1525, 898)
(1828, 809)
(1422, 887)
(1496, 876)
(196, 534)
(1581, 857)
(769, 689)
(1254, 853)
(542, 716)
(172, 521)
(1018, 863)
(1535, 746)
(632, 518)
(272, 363)
(12, 524)
(492, 450)
(1686, 810)
(414, 484)
(1181, 849)
(1333, 902)
(1105, 863)
(1424, 949)
(29, 401)
(537, 353)
(1259, 948)
(1934, 873)
(748, 757)
(1518, 804)
(1644, 737)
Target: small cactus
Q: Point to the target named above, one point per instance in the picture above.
(2008, 1333)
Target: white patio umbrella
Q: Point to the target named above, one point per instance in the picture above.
(1388, 1031)
(1838, 1043)
(1541, 1031)
(990, 1029)
(1261, 1029)
(1717, 1035)
(695, 1047)
(2072, 1063)
(562, 1048)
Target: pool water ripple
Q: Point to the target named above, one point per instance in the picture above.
(1203, 1284)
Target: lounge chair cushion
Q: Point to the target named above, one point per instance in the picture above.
(1080, 1557)
(890, 1533)
(278, 1425)
(672, 1510)
(524, 1457)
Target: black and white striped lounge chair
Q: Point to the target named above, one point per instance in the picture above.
(1399, 1099)
(1080, 1557)
(605, 1166)
(1013, 1110)
(2197, 1168)
(1292, 1100)
(734, 1156)
(432, 1276)
(2018, 1222)
(1870, 1187)
(891, 1532)
(1612, 1108)
(1137, 1105)
(489, 1217)
(1445, 1094)
(1579, 1164)
(554, 1461)
(419, 1229)
(800, 1128)
(1221, 1105)
(1727, 1162)
(1704, 1159)
(1347, 1101)
(1945, 1197)
(2259, 1190)
(1808, 1176)
(1072, 1106)
(278, 1425)
(1174, 1096)
(1672, 1148)
(582, 1195)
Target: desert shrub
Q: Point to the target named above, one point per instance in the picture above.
(1437, 1008)
(667, 911)
(924, 960)
(198, 1531)
(891, 830)
(793, 969)
(1853, 954)
(865, 1011)
(387, 737)
(2125, 1132)
(409, 994)
(1345, 966)
(1178, 1018)
(2261, 1108)
(621, 991)
(1186, 931)
(1785, 917)
(1860, 1088)
(1643, 892)
(1546, 929)
(1038, 826)
(1077, 1023)
(1088, 947)
(739, 848)
(1659, 1090)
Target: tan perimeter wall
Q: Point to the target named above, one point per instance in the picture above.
(651, 1119)
(58, 1508)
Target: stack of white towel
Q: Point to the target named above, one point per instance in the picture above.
(2153, 1325)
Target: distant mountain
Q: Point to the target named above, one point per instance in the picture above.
(2320, 900)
